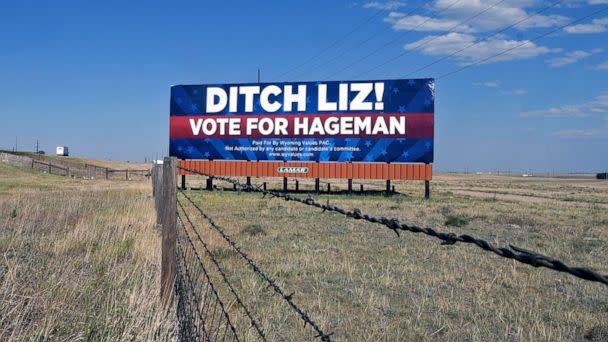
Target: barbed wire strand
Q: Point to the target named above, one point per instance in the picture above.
(515, 253)
(181, 293)
(218, 300)
(287, 297)
(253, 321)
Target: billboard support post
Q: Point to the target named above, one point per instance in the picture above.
(183, 182)
(297, 185)
(284, 184)
(317, 185)
(388, 187)
(210, 184)
(427, 189)
(350, 186)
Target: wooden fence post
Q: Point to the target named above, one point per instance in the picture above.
(169, 222)
(154, 189)
(158, 191)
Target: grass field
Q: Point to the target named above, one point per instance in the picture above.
(363, 283)
(79, 260)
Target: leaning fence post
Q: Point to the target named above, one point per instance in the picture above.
(169, 222)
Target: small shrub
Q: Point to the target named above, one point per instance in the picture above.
(14, 213)
(456, 221)
(253, 230)
(222, 253)
(597, 333)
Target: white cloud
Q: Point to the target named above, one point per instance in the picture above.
(597, 107)
(571, 57)
(420, 23)
(503, 14)
(581, 133)
(602, 66)
(500, 15)
(517, 92)
(596, 26)
(389, 5)
(487, 84)
(453, 42)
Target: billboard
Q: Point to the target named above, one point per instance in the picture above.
(340, 121)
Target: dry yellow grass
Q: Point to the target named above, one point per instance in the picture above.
(363, 283)
(79, 260)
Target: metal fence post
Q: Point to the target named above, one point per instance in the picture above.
(169, 222)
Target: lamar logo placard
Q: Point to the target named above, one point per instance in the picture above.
(292, 169)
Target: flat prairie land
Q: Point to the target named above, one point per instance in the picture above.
(362, 282)
(80, 260)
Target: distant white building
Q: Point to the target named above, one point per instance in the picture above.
(62, 151)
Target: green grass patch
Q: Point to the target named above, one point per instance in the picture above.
(456, 221)
(253, 230)
(222, 253)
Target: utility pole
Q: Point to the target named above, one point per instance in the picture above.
(37, 146)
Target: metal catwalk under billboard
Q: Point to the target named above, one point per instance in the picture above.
(341, 121)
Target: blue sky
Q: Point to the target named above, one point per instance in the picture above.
(96, 76)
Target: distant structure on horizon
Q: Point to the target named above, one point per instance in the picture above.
(62, 151)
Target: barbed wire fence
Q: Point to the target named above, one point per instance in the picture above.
(196, 292)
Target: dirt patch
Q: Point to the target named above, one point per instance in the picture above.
(524, 198)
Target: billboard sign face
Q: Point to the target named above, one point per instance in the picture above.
(341, 121)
